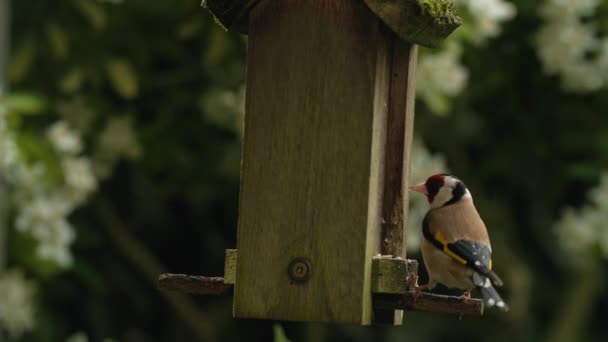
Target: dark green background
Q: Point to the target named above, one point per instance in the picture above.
(524, 147)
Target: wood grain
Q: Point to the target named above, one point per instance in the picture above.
(390, 275)
(429, 302)
(313, 160)
(398, 142)
(230, 266)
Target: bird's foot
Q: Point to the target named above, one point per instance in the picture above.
(418, 290)
(412, 282)
(466, 296)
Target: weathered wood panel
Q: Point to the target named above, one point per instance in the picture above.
(230, 261)
(396, 171)
(313, 160)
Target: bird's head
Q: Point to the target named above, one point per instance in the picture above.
(442, 189)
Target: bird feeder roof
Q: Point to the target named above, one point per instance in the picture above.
(424, 22)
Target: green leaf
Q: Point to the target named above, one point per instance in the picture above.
(58, 40)
(25, 103)
(218, 47)
(189, 28)
(94, 13)
(71, 81)
(23, 250)
(21, 63)
(279, 334)
(123, 78)
(35, 148)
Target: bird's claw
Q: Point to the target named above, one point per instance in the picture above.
(418, 290)
(413, 285)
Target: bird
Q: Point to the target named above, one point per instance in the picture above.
(455, 246)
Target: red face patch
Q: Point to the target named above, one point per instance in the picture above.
(433, 184)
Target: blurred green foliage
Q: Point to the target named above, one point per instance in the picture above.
(524, 147)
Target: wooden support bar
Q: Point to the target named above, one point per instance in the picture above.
(400, 121)
(429, 302)
(230, 266)
(398, 140)
(390, 275)
(390, 286)
(194, 284)
(393, 290)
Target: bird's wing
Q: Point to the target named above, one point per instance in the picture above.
(475, 255)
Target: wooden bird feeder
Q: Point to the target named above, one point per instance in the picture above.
(325, 163)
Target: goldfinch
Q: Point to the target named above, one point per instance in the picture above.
(456, 247)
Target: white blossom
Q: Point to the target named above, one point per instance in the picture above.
(56, 244)
(16, 303)
(423, 165)
(8, 147)
(225, 107)
(559, 9)
(487, 17)
(79, 178)
(568, 44)
(64, 139)
(44, 217)
(117, 140)
(441, 76)
(42, 208)
(118, 137)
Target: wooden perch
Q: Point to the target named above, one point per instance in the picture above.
(194, 284)
(390, 280)
(203, 285)
(429, 302)
(425, 302)
(391, 285)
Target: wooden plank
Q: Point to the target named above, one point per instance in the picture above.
(230, 266)
(429, 302)
(393, 290)
(194, 284)
(312, 168)
(398, 142)
(389, 275)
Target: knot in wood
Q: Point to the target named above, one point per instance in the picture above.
(300, 269)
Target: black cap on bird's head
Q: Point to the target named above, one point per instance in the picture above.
(442, 189)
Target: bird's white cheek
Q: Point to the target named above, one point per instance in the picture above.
(444, 195)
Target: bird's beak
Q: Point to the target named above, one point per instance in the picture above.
(418, 188)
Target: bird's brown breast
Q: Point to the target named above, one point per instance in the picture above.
(459, 221)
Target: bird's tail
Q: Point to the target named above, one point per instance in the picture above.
(488, 292)
(491, 297)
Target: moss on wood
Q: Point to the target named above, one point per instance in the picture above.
(424, 22)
